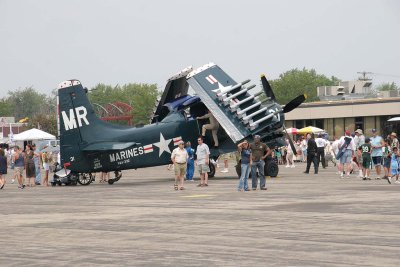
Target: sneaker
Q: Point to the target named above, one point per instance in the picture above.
(287, 166)
(12, 181)
(364, 178)
(263, 188)
(389, 179)
(225, 170)
(397, 182)
(306, 172)
(292, 166)
(247, 190)
(341, 175)
(254, 189)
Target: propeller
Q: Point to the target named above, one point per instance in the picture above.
(290, 141)
(267, 87)
(294, 103)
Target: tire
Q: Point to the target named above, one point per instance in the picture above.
(85, 178)
(271, 168)
(211, 173)
(111, 181)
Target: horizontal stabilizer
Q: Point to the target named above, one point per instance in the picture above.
(106, 146)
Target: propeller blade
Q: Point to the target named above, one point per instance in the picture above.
(290, 141)
(294, 103)
(267, 87)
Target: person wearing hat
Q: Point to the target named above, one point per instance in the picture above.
(179, 157)
(377, 153)
(260, 152)
(395, 141)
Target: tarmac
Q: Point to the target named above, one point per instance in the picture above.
(301, 220)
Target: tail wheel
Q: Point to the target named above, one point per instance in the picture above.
(85, 178)
(211, 173)
(118, 175)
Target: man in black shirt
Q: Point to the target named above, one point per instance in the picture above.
(311, 154)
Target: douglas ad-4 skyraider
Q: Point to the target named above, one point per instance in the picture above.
(89, 144)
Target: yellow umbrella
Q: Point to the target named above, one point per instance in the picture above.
(310, 129)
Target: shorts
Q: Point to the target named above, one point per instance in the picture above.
(366, 162)
(19, 170)
(346, 157)
(180, 168)
(377, 160)
(386, 162)
(203, 168)
(46, 166)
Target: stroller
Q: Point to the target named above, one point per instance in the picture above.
(63, 176)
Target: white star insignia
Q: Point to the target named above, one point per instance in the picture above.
(221, 89)
(163, 145)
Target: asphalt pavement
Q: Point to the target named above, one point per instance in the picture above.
(301, 220)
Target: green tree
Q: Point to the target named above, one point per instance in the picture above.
(387, 87)
(5, 108)
(44, 122)
(295, 82)
(25, 103)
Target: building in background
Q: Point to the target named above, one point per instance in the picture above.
(8, 126)
(336, 116)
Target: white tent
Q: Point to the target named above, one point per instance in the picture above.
(394, 119)
(33, 134)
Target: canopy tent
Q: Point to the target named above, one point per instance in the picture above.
(310, 129)
(33, 134)
(292, 130)
(394, 119)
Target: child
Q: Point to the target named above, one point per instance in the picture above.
(394, 165)
(366, 159)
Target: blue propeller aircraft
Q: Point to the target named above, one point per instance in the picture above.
(89, 144)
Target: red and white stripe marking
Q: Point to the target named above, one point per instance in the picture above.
(148, 148)
(211, 79)
(177, 140)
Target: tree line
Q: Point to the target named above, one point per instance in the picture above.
(41, 109)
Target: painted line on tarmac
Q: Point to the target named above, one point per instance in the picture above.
(198, 196)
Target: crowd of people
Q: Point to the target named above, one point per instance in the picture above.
(28, 162)
(353, 152)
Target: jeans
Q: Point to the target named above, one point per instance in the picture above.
(260, 166)
(38, 174)
(244, 176)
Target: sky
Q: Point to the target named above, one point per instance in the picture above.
(44, 42)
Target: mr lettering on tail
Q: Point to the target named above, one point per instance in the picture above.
(77, 114)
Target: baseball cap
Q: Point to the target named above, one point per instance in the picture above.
(181, 143)
(373, 130)
(359, 131)
(257, 136)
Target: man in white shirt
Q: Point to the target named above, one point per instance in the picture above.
(203, 159)
(321, 144)
(179, 158)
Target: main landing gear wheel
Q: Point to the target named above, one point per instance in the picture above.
(271, 168)
(85, 178)
(118, 176)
